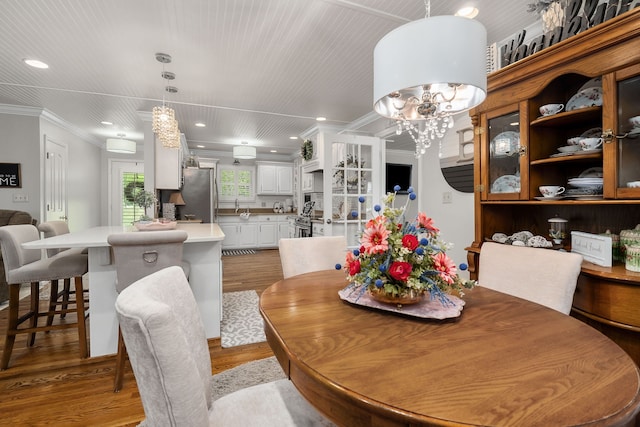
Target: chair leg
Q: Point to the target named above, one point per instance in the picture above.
(82, 329)
(120, 360)
(65, 297)
(12, 325)
(35, 309)
(53, 301)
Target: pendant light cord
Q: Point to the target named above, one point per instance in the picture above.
(427, 6)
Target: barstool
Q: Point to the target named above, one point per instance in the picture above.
(51, 229)
(28, 266)
(136, 255)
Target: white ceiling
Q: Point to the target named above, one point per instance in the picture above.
(252, 70)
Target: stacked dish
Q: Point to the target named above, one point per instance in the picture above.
(585, 188)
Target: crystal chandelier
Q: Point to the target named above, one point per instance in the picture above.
(428, 70)
(164, 123)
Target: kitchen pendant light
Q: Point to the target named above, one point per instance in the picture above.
(163, 121)
(428, 70)
(121, 146)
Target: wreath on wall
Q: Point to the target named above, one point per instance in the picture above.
(132, 189)
(307, 149)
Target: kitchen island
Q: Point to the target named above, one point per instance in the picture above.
(202, 249)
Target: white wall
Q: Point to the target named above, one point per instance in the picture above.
(455, 220)
(19, 143)
(22, 141)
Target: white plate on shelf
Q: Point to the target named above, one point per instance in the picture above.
(504, 144)
(506, 184)
(594, 82)
(591, 97)
(549, 198)
(595, 150)
(586, 197)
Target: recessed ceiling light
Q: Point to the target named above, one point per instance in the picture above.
(293, 137)
(321, 119)
(104, 122)
(35, 63)
(200, 146)
(200, 125)
(467, 12)
(273, 151)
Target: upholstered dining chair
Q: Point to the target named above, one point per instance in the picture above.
(168, 349)
(307, 254)
(57, 296)
(138, 254)
(28, 266)
(544, 276)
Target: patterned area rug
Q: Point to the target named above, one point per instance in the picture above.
(246, 375)
(229, 252)
(241, 321)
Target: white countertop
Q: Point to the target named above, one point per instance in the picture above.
(97, 236)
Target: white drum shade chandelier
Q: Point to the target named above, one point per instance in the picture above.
(244, 152)
(120, 145)
(428, 70)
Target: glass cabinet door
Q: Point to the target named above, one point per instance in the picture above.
(352, 170)
(628, 135)
(504, 170)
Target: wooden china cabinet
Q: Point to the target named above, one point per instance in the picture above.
(518, 152)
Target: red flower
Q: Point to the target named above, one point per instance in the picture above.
(354, 267)
(400, 270)
(427, 223)
(410, 241)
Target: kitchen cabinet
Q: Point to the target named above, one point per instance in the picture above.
(312, 182)
(238, 233)
(259, 231)
(275, 178)
(518, 152)
(168, 167)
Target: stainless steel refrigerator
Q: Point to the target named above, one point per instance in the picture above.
(200, 194)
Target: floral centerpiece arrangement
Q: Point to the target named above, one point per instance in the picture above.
(401, 261)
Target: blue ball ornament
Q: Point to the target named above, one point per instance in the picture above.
(356, 252)
(361, 199)
(338, 266)
(424, 241)
(377, 208)
(463, 266)
(410, 190)
(354, 214)
(382, 268)
(420, 251)
(397, 188)
(378, 283)
(412, 196)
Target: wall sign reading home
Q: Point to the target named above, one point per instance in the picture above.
(10, 175)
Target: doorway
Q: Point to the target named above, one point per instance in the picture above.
(127, 178)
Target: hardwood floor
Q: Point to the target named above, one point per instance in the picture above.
(48, 384)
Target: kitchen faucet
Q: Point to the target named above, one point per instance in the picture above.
(237, 206)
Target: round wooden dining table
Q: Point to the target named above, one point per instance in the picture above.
(503, 361)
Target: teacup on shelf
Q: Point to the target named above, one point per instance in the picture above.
(635, 122)
(550, 109)
(590, 143)
(551, 190)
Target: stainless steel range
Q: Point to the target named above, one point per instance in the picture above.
(303, 221)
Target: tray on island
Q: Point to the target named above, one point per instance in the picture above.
(155, 225)
(429, 308)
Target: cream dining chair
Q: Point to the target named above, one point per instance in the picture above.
(28, 266)
(136, 255)
(544, 276)
(307, 254)
(60, 297)
(169, 352)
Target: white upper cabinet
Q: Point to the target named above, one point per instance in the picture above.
(168, 167)
(275, 178)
